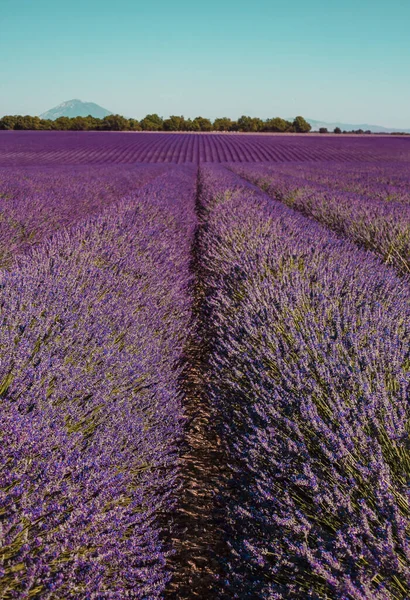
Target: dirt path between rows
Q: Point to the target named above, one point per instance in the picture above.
(200, 561)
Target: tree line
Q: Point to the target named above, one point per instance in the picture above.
(154, 122)
(338, 130)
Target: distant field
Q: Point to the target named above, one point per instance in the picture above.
(43, 148)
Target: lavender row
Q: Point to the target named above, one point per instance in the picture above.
(36, 202)
(309, 379)
(379, 181)
(93, 328)
(383, 228)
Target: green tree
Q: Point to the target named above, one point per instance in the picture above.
(300, 125)
(8, 122)
(223, 124)
(337, 130)
(152, 123)
(62, 123)
(202, 123)
(46, 124)
(277, 125)
(93, 123)
(323, 130)
(27, 122)
(114, 123)
(175, 123)
(78, 124)
(191, 125)
(134, 125)
(250, 124)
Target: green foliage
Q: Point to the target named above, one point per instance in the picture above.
(203, 124)
(323, 130)
(175, 123)
(300, 125)
(223, 124)
(134, 125)
(278, 125)
(250, 124)
(152, 123)
(192, 125)
(7, 122)
(114, 123)
(27, 122)
(78, 124)
(62, 123)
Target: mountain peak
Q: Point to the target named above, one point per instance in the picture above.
(76, 108)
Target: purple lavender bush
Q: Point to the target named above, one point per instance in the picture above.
(94, 323)
(309, 379)
(379, 181)
(36, 202)
(376, 225)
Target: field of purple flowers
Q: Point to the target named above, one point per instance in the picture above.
(204, 367)
(372, 222)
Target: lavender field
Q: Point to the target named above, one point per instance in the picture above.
(204, 366)
(18, 148)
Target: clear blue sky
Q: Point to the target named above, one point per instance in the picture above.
(346, 60)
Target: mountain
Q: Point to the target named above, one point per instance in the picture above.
(76, 108)
(316, 125)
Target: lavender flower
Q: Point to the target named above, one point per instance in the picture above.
(93, 328)
(308, 376)
(383, 227)
(36, 202)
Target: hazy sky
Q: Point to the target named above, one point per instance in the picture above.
(345, 60)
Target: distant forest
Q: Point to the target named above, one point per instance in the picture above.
(156, 123)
